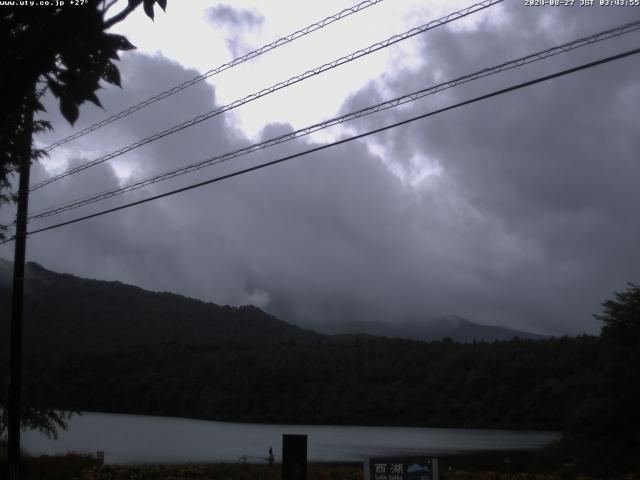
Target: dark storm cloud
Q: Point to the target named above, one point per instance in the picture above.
(553, 167)
(529, 224)
(123, 246)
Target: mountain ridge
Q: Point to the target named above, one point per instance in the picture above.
(456, 328)
(66, 312)
(72, 313)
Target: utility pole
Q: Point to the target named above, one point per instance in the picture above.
(15, 355)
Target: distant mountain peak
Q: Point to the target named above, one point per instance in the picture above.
(448, 326)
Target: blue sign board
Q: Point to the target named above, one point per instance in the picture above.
(415, 468)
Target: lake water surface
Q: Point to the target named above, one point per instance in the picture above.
(146, 439)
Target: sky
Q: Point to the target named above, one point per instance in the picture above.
(519, 210)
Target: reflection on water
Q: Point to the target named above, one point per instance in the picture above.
(145, 439)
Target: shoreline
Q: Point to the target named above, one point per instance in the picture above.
(523, 429)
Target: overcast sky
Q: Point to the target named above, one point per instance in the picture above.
(520, 210)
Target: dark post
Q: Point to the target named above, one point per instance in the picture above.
(294, 457)
(15, 356)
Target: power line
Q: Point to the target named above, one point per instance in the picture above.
(538, 56)
(345, 140)
(291, 81)
(236, 61)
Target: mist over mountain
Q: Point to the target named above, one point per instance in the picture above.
(68, 313)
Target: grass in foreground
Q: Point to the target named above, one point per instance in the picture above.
(74, 466)
(217, 472)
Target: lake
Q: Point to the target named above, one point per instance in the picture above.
(147, 439)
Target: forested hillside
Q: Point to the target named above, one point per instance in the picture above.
(68, 313)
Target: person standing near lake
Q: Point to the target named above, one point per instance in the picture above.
(270, 458)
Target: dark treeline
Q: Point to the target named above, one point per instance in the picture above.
(516, 384)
